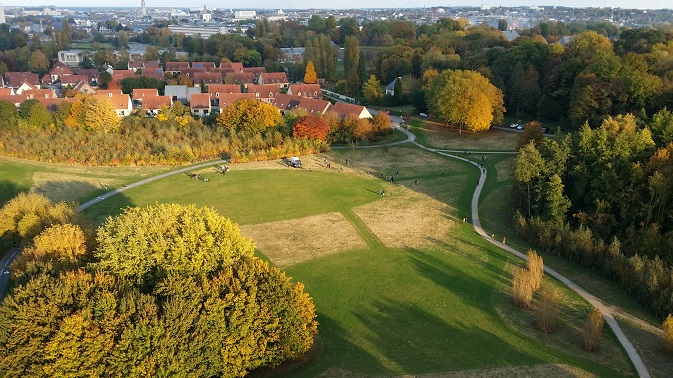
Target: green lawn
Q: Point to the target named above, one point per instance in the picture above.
(386, 310)
(437, 135)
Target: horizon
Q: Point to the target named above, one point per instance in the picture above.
(350, 4)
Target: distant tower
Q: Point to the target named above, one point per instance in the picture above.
(2, 14)
(143, 11)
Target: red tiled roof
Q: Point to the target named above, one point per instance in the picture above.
(345, 109)
(207, 78)
(15, 79)
(176, 66)
(230, 98)
(286, 101)
(244, 77)
(305, 90)
(154, 103)
(199, 101)
(273, 77)
(264, 90)
(220, 89)
(144, 93)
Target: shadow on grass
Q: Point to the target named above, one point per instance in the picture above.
(9, 190)
(331, 355)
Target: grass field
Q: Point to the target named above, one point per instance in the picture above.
(390, 299)
(437, 135)
(401, 286)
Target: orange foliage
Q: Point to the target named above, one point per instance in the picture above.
(310, 127)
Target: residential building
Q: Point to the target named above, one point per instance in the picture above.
(180, 92)
(344, 109)
(305, 90)
(120, 102)
(264, 93)
(199, 104)
(176, 67)
(207, 78)
(152, 105)
(277, 78)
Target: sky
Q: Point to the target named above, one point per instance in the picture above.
(330, 4)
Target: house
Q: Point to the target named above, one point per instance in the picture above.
(53, 103)
(510, 35)
(313, 106)
(234, 66)
(108, 92)
(45, 80)
(71, 57)
(277, 78)
(217, 90)
(264, 93)
(344, 109)
(223, 70)
(292, 54)
(72, 80)
(180, 92)
(120, 102)
(92, 74)
(204, 65)
(286, 102)
(255, 70)
(154, 73)
(120, 75)
(305, 90)
(176, 67)
(207, 78)
(564, 40)
(189, 72)
(152, 105)
(245, 78)
(39, 93)
(59, 69)
(16, 79)
(6, 92)
(25, 86)
(83, 87)
(230, 98)
(199, 104)
(139, 94)
(390, 88)
(15, 99)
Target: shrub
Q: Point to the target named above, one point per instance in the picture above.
(667, 328)
(592, 330)
(548, 310)
(535, 266)
(522, 288)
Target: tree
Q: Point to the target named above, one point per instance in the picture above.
(502, 24)
(28, 214)
(249, 117)
(104, 79)
(122, 39)
(310, 127)
(310, 76)
(372, 90)
(667, 333)
(38, 62)
(381, 123)
(93, 114)
(224, 314)
(466, 98)
(532, 131)
(593, 328)
(528, 168)
(35, 113)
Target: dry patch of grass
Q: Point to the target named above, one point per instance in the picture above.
(407, 219)
(293, 241)
(67, 187)
(440, 136)
(408, 161)
(648, 343)
(504, 169)
(540, 370)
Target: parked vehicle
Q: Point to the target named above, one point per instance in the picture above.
(513, 125)
(294, 162)
(423, 115)
(519, 127)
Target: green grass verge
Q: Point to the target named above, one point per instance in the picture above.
(436, 135)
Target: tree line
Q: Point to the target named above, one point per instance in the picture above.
(602, 197)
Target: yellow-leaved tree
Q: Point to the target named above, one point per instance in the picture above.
(93, 114)
(310, 76)
(249, 117)
(466, 98)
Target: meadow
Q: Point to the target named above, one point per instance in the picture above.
(401, 285)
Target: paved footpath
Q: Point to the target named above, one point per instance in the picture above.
(607, 311)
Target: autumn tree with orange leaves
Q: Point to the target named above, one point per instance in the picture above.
(310, 127)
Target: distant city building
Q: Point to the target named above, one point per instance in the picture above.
(143, 10)
(193, 31)
(485, 6)
(2, 14)
(245, 15)
(71, 58)
(206, 17)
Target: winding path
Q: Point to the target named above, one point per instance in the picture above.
(607, 311)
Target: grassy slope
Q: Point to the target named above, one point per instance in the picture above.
(382, 310)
